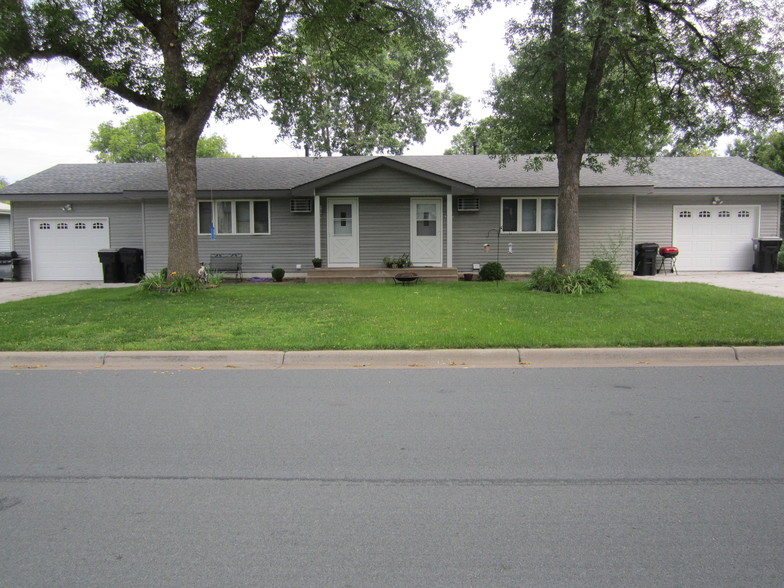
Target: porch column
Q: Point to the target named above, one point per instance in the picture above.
(449, 230)
(316, 224)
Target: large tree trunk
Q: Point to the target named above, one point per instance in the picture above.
(181, 174)
(568, 258)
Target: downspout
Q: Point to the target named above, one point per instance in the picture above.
(317, 224)
(449, 229)
(634, 230)
(144, 235)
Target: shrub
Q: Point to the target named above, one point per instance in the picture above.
(175, 284)
(492, 272)
(781, 261)
(214, 278)
(183, 283)
(607, 269)
(153, 281)
(598, 277)
(397, 262)
(278, 273)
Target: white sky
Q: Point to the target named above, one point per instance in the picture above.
(50, 122)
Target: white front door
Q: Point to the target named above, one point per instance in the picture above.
(342, 232)
(426, 239)
(715, 237)
(67, 248)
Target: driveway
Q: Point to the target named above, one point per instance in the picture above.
(770, 284)
(10, 291)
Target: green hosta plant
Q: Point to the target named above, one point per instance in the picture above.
(598, 277)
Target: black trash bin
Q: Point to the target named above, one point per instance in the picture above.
(112, 269)
(645, 259)
(9, 265)
(132, 261)
(766, 254)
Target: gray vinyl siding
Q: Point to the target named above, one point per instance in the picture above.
(289, 243)
(384, 229)
(156, 235)
(473, 229)
(383, 182)
(125, 222)
(606, 228)
(5, 232)
(654, 215)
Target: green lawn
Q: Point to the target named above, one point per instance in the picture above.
(295, 316)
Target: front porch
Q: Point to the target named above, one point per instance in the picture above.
(350, 275)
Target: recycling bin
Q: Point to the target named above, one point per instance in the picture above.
(132, 262)
(645, 259)
(766, 254)
(112, 269)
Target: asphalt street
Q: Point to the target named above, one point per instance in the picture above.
(413, 477)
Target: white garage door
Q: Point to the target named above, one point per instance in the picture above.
(67, 249)
(715, 238)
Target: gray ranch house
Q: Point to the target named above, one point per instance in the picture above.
(450, 211)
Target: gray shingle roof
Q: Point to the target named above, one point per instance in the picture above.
(284, 173)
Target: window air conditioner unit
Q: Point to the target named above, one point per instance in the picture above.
(301, 205)
(468, 204)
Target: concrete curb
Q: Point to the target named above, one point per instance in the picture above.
(394, 359)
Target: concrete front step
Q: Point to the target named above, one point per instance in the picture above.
(351, 275)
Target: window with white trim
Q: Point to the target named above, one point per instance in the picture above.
(528, 215)
(234, 217)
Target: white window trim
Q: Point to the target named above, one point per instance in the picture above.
(214, 206)
(538, 199)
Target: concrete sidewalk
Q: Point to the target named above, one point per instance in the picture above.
(439, 358)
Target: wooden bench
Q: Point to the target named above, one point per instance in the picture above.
(227, 263)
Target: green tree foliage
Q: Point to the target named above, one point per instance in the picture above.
(485, 134)
(628, 77)
(190, 60)
(766, 150)
(142, 139)
(381, 100)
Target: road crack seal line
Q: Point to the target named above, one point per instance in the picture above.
(561, 482)
(7, 502)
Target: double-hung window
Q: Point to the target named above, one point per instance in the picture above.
(234, 217)
(528, 215)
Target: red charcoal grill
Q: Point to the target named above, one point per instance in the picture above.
(668, 253)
